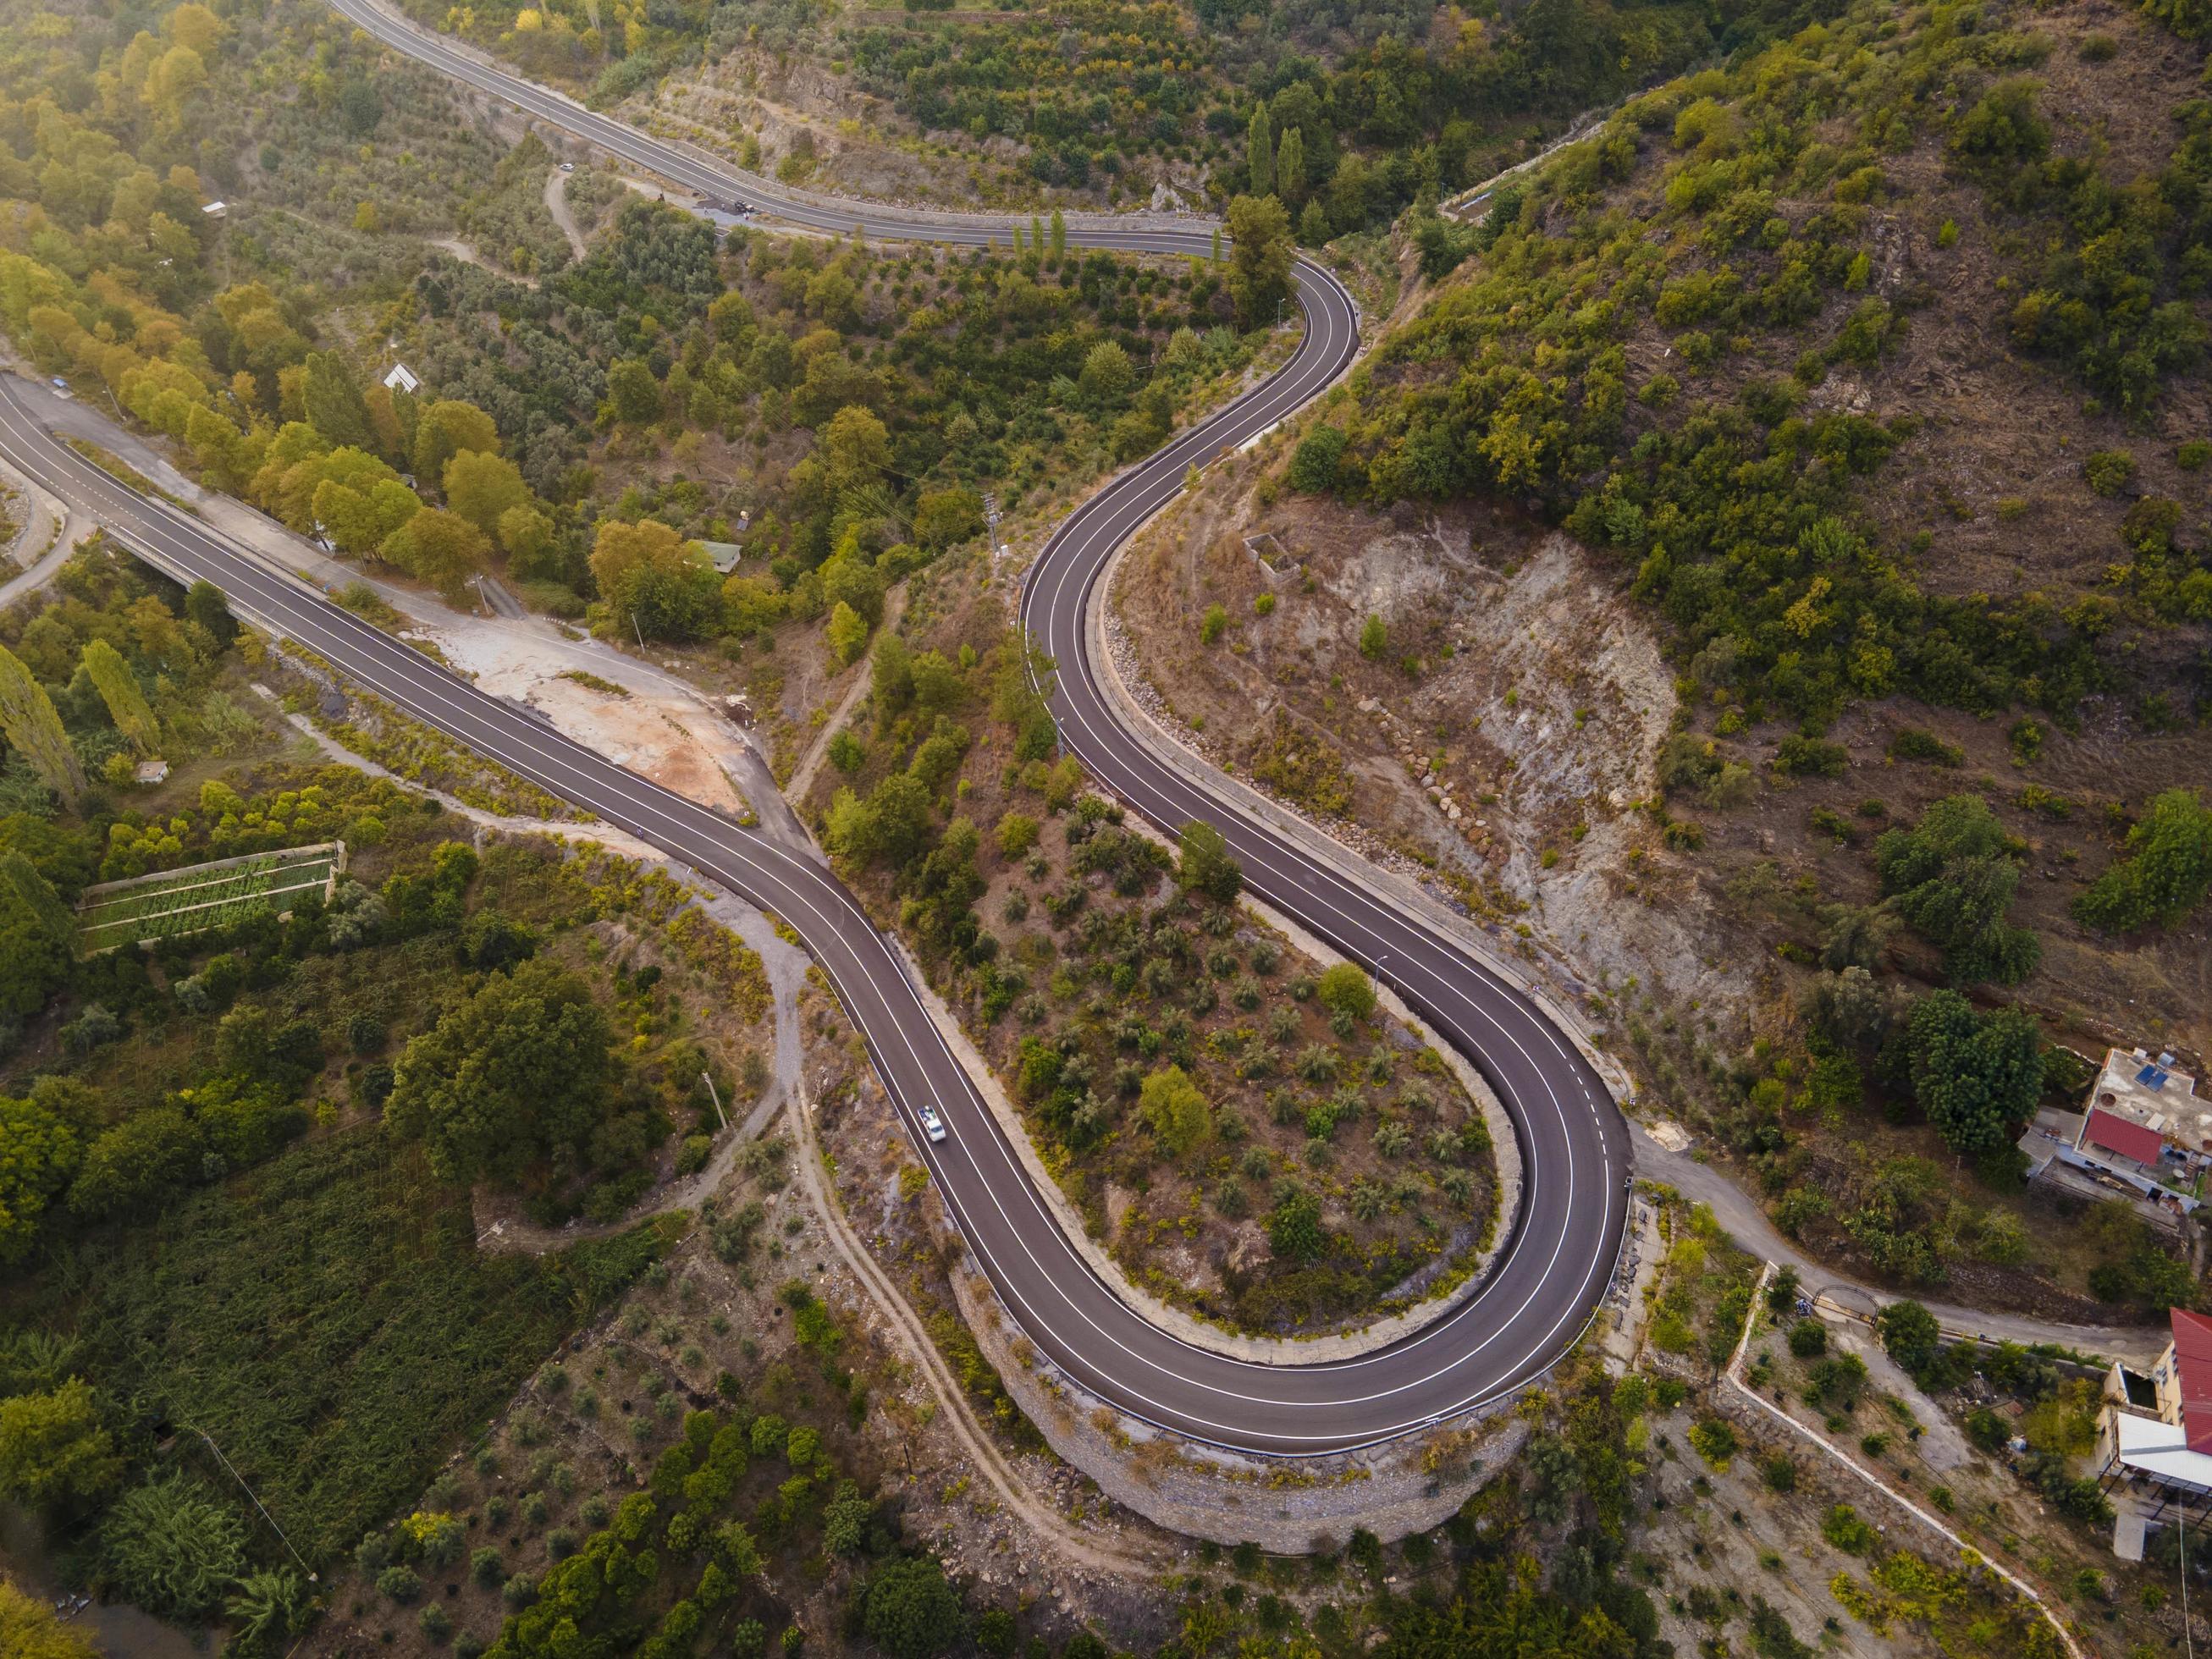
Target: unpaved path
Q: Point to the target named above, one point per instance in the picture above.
(803, 779)
(557, 203)
(468, 256)
(1045, 1524)
(1741, 1217)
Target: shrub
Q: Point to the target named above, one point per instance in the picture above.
(1844, 1529)
(399, 1584)
(1714, 1441)
(1211, 625)
(1314, 464)
(1808, 1339)
(1294, 1229)
(1205, 866)
(2109, 470)
(1375, 639)
(1345, 989)
(1803, 756)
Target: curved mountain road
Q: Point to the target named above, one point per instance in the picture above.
(1574, 1143)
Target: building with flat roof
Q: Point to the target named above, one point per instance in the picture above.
(2142, 1134)
(2155, 1436)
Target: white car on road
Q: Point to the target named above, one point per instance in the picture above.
(931, 1125)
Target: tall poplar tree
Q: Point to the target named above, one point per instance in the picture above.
(1291, 167)
(119, 688)
(35, 730)
(1259, 154)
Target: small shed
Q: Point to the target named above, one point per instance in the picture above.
(216, 210)
(724, 555)
(151, 772)
(402, 379)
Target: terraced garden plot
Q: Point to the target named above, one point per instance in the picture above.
(203, 895)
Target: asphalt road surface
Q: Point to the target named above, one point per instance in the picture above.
(1574, 1144)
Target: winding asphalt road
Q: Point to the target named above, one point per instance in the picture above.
(1574, 1144)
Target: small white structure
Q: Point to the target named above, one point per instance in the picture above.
(402, 379)
(151, 772)
(723, 555)
(216, 210)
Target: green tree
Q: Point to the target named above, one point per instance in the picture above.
(1976, 1075)
(38, 938)
(1290, 166)
(440, 548)
(909, 1610)
(446, 429)
(889, 827)
(846, 635)
(38, 1153)
(2167, 872)
(1258, 154)
(172, 1548)
(482, 486)
(1952, 878)
(1059, 236)
(30, 1629)
(1205, 865)
(891, 680)
(119, 688)
(54, 1451)
(856, 448)
(635, 394)
(205, 605)
(1259, 258)
(620, 548)
(1909, 1335)
(333, 404)
(1106, 373)
(522, 1071)
(1313, 462)
(1313, 222)
(1177, 1110)
(34, 730)
(945, 518)
(1345, 989)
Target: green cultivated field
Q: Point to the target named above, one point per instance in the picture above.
(202, 895)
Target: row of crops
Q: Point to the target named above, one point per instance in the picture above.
(203, 895)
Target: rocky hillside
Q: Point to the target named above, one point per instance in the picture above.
(1865, 377)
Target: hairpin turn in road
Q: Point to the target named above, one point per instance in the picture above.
(1550, 1274)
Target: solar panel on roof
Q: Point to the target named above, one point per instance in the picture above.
(2151, 1078)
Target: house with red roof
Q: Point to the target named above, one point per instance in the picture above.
(2143, 1135)
(2154, 1438)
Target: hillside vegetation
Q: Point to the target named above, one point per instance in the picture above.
(1872, 366)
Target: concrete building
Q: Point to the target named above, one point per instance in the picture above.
(2143, 1135)
(2154, 1437)
(402, 379)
